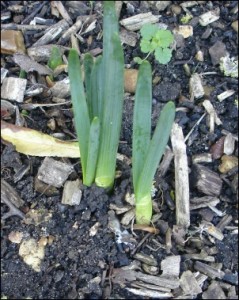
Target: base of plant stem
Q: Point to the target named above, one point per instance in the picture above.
(104, 182)
(144, 210)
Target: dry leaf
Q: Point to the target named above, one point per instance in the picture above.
(32, 142)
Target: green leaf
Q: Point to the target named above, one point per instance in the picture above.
(138, 60)
(113, 94)
(155, 150)
(93, 148)
(141, 120)
(97, 84)
(164, 38)
(55, 59)
(80, 109)
(88, 65)
(148, 31)
(163, 56)
(146, 46)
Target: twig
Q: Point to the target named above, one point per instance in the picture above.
(13, 26)
(32, 15)
(196, 124)
(181, 176)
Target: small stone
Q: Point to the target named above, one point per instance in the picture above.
(32, 253)
(214, 291)
(165, 91)
(185, 30)
(217, 149)
(235, 25)
(15, 237)
(217, 51)
(12, 42)
(176, 9)
(228, 163)
(130, 80)
(13, 89)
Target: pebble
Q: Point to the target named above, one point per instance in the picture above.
(185, 30)
(227, 163)
(235, 25)
(176, 9)
(217, 51)
(130, 80)
(166, 91)
(12, 42)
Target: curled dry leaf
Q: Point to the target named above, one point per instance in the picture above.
(32, 142)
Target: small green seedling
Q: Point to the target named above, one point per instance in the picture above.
(157, 41)
(55, 59)
(185, 19)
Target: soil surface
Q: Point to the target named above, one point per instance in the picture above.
(82, 251)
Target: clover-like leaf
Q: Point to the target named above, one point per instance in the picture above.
(163, 55)
(148, 31)
(146, 46)
(164, 38)
(138, 60)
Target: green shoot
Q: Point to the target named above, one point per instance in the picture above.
(55, 59)
(98, 105)
(157, 41)
(147, 151)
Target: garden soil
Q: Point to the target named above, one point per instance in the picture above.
(81, 250)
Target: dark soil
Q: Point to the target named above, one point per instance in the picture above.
(77, 265)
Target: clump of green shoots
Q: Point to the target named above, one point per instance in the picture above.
(147, 151)
(98, 105)
(157, 41)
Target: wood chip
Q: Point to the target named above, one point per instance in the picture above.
(205, 180)
(12, 41)
(146, 259)
(43, 53)
(199, 202)
(211, 272)
(13, 89)
(149, 294)
(209, 17)
(212, 230)
(128, 37)
(52, 33)
(63, 12)
(54, 172)
(196, 87)
(181, 176)
(189, 284)
(72, 193)
(171, 266)
(27, 64)
(134, 23)
(214, 291)
(202, 157)
(225, 95)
